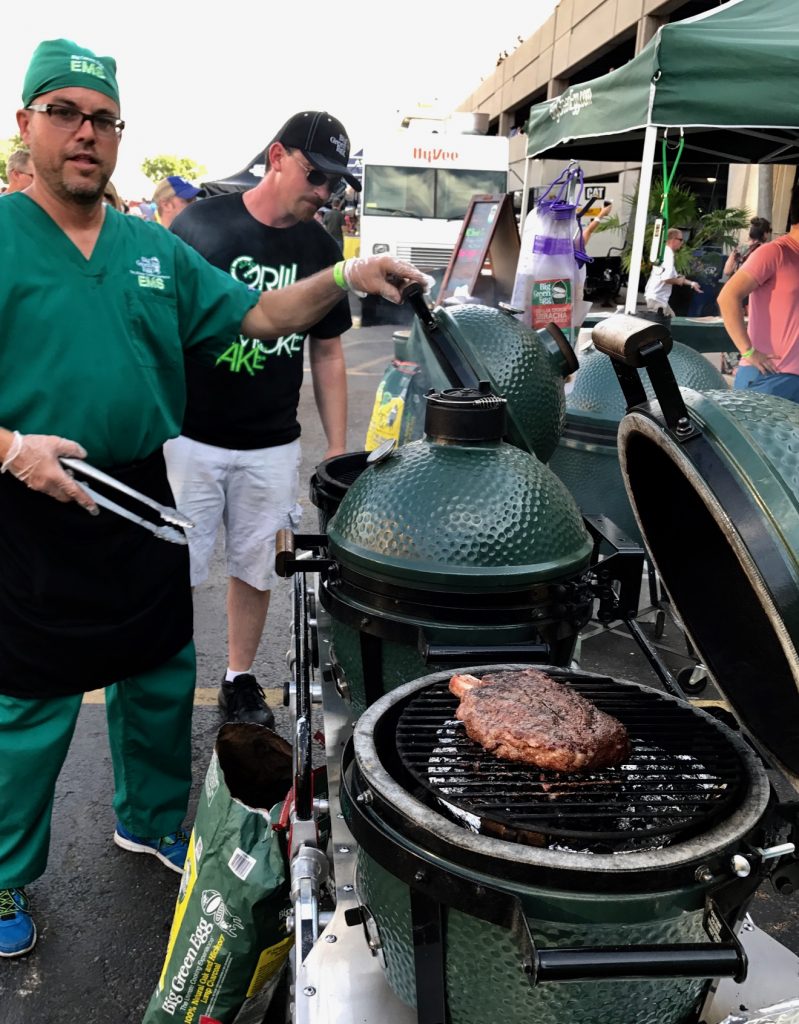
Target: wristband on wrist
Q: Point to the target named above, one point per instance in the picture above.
(749, 353)
(346, 268)
(338, 275)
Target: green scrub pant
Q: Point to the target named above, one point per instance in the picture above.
(149, 730)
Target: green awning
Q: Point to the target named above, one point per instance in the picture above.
(728, 78)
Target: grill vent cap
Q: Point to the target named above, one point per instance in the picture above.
(465, 414)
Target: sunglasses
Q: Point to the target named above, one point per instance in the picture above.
(317, 178)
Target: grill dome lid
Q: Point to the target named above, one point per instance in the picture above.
(474, 514)
(596, 400)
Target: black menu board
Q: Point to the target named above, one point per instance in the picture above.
(489, 233)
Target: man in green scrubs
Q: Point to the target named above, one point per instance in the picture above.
(97, 311)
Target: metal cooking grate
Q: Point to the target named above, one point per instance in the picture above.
(681, 776)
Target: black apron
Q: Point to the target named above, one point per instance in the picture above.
(87, 600)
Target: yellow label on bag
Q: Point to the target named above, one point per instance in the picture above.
(386, 419)
(182, 902)
(269, 963)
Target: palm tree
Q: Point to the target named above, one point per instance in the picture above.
(719, 227)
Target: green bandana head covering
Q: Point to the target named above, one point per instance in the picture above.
(61, 64)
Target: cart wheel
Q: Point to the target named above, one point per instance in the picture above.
(688, 683)
(660, 624)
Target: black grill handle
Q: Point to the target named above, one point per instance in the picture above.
(699, 960)
(482, 654)
(287, 543)
(455, 366)
(722, 957)
(634, 343)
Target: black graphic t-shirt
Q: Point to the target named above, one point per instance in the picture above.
(247, 397)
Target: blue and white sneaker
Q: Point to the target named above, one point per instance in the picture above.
(17, 930)
(170, 850)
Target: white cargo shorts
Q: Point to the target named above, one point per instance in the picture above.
(252, 493)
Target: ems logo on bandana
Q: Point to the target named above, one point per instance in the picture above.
(84, 66)
(149, 273)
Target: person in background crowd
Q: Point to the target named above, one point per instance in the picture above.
(112, 197)
(350, 222)
(664, 275)
(19, 171)
(237, 459)
(98, 310)
(769, 342)
(759, 232)
(334, 223)
(596, 222)
(172, 196)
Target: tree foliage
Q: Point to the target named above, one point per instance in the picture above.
(156, 168)
(719, 227)
(7, 147)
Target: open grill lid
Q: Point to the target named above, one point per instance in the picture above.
(713, 479)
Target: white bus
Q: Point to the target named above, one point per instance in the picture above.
(417, 186)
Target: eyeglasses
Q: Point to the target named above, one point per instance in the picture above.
(318, 178)
(70, 119)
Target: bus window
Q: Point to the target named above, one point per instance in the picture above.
(454, 189)
(408, 190)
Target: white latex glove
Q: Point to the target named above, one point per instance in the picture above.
(33, 459)
(381, 275)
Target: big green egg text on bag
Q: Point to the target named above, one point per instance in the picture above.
(228, 936)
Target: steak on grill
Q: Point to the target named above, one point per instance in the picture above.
(527, 716)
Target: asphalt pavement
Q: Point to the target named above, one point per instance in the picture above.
(104, 914)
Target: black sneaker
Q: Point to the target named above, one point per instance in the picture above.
(243, 701)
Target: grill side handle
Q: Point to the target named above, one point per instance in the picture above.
(722, 957)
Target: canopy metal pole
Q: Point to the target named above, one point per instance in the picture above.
(523, 215)
(639, 230)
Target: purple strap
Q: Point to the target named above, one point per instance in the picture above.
(552, 246)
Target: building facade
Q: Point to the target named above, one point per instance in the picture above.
(581, 40)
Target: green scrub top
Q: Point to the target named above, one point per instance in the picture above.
(92, 350)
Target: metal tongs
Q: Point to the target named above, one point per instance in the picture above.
(169, 515)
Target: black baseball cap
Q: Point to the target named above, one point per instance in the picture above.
(322, 139)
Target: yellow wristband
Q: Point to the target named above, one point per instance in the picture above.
(338, 275)
(749, 353)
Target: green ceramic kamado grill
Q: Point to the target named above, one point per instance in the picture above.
(493, 891)
(487, 890)
(453, 547)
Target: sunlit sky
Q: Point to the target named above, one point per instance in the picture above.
(215, 88)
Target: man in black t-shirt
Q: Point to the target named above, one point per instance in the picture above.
(237, 459)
